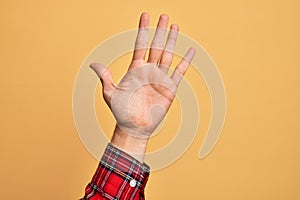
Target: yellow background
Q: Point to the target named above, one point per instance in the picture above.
(255, 45)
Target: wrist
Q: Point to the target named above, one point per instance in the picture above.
(134, 146)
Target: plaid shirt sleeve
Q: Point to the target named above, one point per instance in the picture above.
(119, 176)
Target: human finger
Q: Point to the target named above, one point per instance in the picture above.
(183, 66)
(167, 56)
(141, 43)
(158, 39)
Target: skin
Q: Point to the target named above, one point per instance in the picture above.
(144, 95)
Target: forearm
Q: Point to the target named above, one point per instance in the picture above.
(118, 176)
(139, 103)
(121, 173)
(134, 146)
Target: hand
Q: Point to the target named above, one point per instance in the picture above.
(142, 98)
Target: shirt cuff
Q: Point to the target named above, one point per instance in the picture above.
(118, 175)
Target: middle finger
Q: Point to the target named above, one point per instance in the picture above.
(158, 40)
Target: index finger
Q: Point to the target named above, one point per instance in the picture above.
(141, 43)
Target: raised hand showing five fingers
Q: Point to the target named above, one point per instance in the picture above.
(141, 99)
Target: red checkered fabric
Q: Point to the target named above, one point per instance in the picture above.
(119, 176)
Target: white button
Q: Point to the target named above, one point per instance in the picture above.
(132, 183)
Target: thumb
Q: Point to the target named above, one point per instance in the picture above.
(106, 79)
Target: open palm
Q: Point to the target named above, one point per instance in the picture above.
(142, 98)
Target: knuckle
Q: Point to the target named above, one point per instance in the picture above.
(181, 70)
